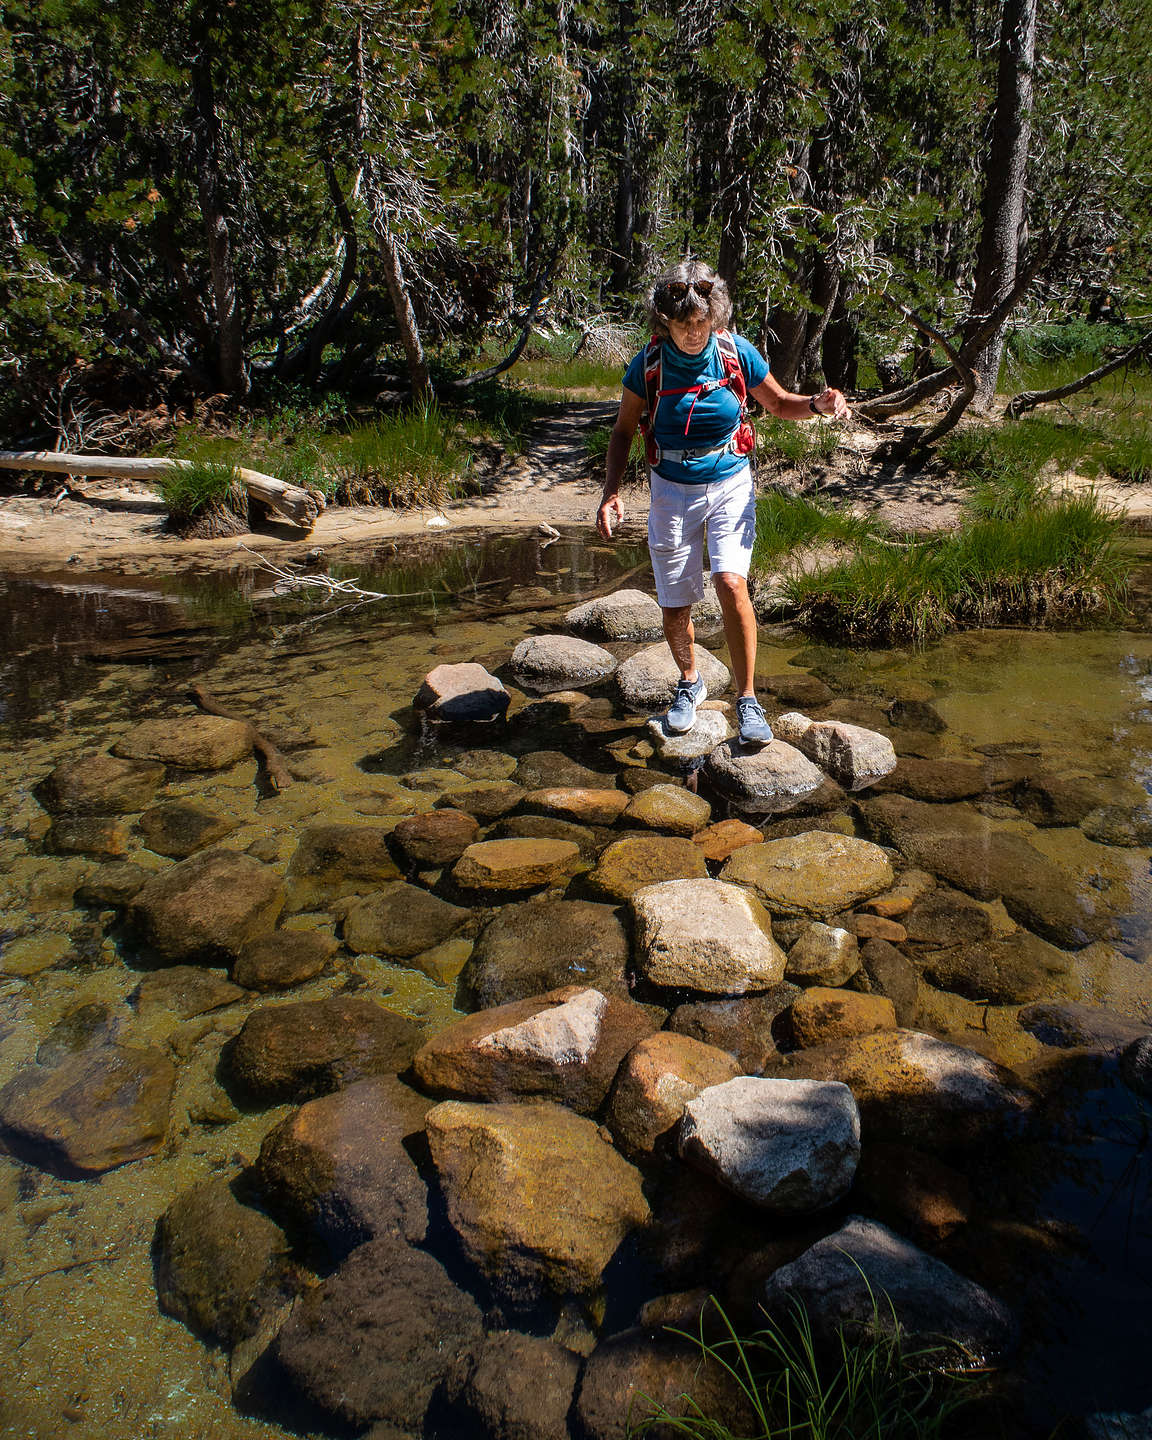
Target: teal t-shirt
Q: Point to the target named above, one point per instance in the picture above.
(714, 417)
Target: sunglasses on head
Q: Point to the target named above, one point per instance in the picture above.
(677, 290)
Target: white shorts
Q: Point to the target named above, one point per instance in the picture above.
(679, 518)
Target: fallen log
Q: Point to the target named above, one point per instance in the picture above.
(275, 766)
(290, 502)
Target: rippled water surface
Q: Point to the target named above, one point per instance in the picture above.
(81, 660)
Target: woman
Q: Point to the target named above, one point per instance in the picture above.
(701, 478)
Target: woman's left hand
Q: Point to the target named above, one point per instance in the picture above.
(832, 403)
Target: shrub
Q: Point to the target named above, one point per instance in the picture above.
(205, 499)
(867, 1385)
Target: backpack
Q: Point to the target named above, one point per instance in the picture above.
(742, 440)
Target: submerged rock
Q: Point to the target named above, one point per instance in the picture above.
(539, 1199)
(647, 681)
(519, 1387)
(790, 1146)
(283, 959)
(339, 1168)
(885, 971)
(179, 828)
(100, 785)
(973, 853)
(767, 781)
(853, 756)
(623, 615)
(375, 1339)
(104, 836)
(183, 991)
(705, 935)
(487, 800)
(631, 1374)
(208, 907)
(332, 861)
(634, 861)
(196, 742)
(866, 1277)
(439, 837)
(94, 1110)
(400, 921)
(220, 1266)
(816, 874)
(462, 692)
(559, 662)
(294, 1052)
(565, 1046)
(113, 884)
(654, 1083)
(1066, 1024)
(543, 944)
(551, 769)
(1011, 971)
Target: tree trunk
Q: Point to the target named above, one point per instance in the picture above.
(405, 314)
(225, 293)
(1005, 175)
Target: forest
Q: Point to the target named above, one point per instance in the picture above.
(208, 197)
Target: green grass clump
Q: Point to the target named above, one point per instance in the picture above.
(596, 443)
(416, 457)
(786, 523)
(786, 442)
(1055, 560)
(867, 1384)
(204, 498)
(1128, 458)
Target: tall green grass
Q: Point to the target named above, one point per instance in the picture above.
(868, 1385)
(204, 498)
(791, 444)
(414, 457)
(786, 523)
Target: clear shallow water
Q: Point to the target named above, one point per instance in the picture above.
(78, 1315)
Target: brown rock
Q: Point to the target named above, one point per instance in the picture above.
(915, 1193)
(208, 907)
(438, 838)
(515, 865)
(519, 1388)
(339, 1167)
(743, 1026)
(653, 1084)
(97, 1109)
(487, 800)
(105, 836)
(718, 841)
(336, 860)
(580, 805)
(820, 1015)
(194, 742)
(816, 874)
(178, 828)
(937, 781)
(528, 949)
(183, 991)
(638, 860)
(669, 808)
(113, 884)
(565, 1046)
(885, 971)
(99, 785)
(401, 921)
(875, 927)
(539, 1199)
(283, 959)
(294, 1052)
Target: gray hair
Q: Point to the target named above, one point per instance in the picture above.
(663, 307)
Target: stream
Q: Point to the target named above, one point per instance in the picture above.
(1064, 1230)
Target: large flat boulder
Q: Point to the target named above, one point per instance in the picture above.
(789, 1146)
(564, 1046)
(539, 1199)
(865, 1277)
(516, 865)
(208, 907)
(338, 1168)
(988, 861)
(705, 935)
(295, 1052)
(816, 874)
(95, 1109)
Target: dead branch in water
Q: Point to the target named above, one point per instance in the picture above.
(275, 766)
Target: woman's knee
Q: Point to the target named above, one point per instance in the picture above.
(729, 583)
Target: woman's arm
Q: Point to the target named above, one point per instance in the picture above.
(789, 406)
(611, 511)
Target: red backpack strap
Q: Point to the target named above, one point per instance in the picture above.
(733, 370)
(653, 382)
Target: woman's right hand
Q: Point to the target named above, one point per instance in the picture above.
(609, 516)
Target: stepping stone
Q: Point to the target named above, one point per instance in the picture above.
(853, 756)
(647, 681)
(558, 662)
(515, 865)
(462, 692)
(711, 729)
(707, 936)
(624, 615)
(765, 781)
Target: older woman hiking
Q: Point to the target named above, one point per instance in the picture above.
(687, 390)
